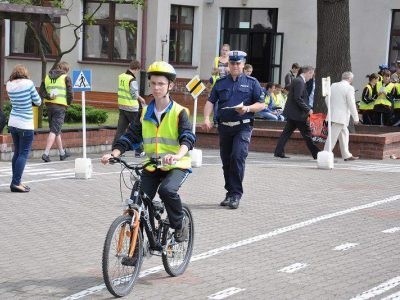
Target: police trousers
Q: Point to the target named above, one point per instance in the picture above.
(234, 148)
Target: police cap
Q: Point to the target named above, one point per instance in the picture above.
(237, 55)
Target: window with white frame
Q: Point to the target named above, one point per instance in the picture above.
(181, 35)
(112, 35)
(23, 41)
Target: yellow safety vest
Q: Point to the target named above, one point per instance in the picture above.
(125, 99)
(396, 104)
(58, 88)
(382, 100)
(163, 139)
(214, 79)
(367, 106)
(280, 100)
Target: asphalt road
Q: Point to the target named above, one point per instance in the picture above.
(300, 232)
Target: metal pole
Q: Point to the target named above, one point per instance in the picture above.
(194, 115)
(329, 114)
(84, 123)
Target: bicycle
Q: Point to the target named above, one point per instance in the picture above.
(127, 243)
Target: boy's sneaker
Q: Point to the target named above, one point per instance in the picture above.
(46, 158)
(182, 234)
(66, 154)
(139, 154)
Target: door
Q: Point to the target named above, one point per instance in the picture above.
(264, 52)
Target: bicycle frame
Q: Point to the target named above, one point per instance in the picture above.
(143, 214)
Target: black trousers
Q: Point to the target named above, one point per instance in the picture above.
(124, 119)
(168, 184)
(304, 128)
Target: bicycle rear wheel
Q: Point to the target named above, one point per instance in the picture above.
(119, 270)
(176, 256)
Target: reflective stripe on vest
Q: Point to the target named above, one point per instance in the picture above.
(125, 99)
(367, 106)
(162, 140)
(382, 100)
(58, 88)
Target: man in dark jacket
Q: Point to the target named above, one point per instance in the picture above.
(296, 112)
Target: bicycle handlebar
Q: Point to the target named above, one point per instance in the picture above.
(137, 167)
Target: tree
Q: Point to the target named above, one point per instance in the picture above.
(87, 19)
(333, 44)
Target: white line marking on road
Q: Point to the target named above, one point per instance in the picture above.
(345, 247)
(271, 234)
(293, 268)
(391, 230)
(380, 289)
(395, 296)
(225, 293)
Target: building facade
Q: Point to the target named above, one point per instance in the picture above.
(189, 34)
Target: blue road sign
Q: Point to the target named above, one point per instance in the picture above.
(81, 80)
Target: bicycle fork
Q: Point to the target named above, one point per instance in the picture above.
(132, 234)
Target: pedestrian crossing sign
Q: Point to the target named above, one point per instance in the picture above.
(81, 80)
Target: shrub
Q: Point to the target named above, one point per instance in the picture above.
(73, 113)
(93, 115)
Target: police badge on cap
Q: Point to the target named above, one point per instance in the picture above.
(237, 55)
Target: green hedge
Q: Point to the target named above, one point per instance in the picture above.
(73, 114)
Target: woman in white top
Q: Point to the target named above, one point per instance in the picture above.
(22, 94)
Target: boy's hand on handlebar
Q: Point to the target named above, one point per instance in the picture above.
(170, 159)
(106, 158)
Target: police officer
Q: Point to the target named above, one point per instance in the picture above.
(238, 96)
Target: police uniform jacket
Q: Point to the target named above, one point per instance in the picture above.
(228, 93)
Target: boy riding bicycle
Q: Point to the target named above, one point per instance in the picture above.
(165, 131)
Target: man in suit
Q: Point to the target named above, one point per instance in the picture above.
(296, 113)
(343, 105)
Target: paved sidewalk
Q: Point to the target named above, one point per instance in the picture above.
(299, 233)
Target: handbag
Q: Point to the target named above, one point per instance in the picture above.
(319, 127)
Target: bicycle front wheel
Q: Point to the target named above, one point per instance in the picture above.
(176, 256)
(119, 270)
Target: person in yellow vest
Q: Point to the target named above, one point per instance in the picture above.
(166, 132)
(383, 103)
(280, 98)
(57, 94)
(369, 94)
(396, 104)
(130, 103)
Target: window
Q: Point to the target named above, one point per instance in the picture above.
(181, 35)
(112, 35)
(23, 42)
(394, 50)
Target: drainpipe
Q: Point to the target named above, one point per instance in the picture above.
(143, 49)
(2, 32)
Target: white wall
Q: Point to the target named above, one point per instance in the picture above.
(297, 19)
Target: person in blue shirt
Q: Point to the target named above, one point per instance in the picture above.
(238, 97)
